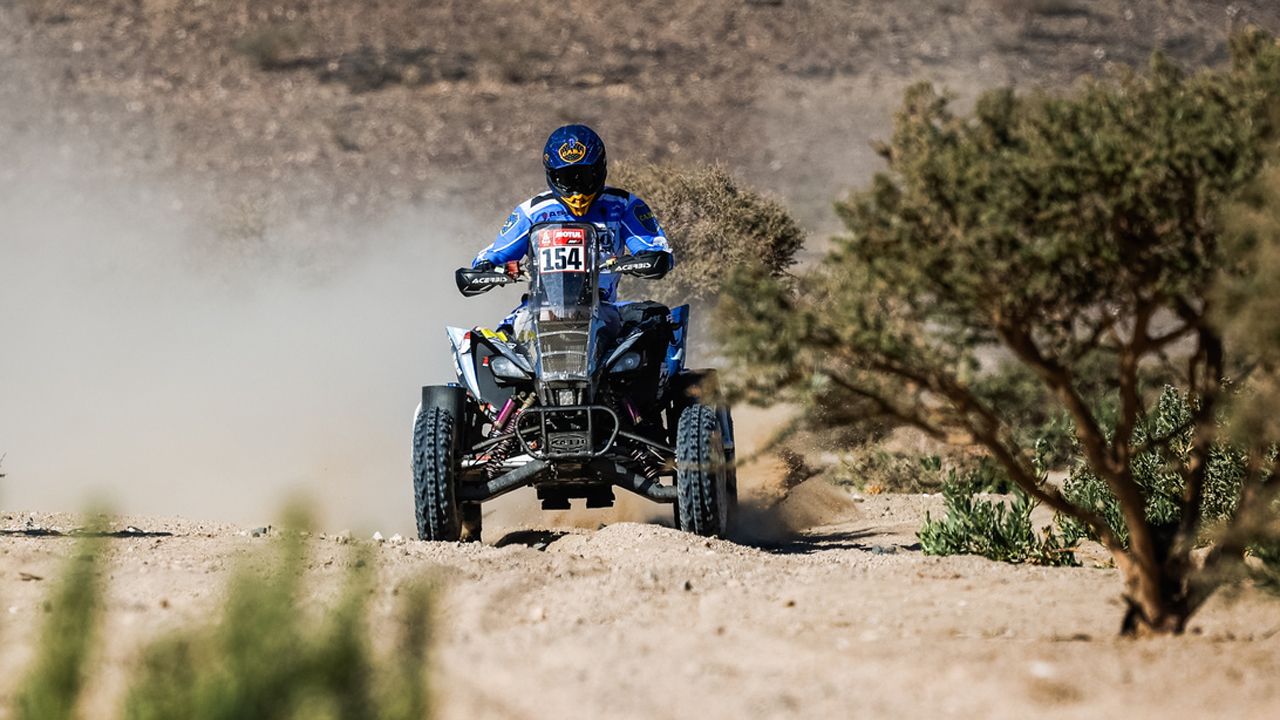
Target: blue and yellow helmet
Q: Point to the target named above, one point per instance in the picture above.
(576, 168)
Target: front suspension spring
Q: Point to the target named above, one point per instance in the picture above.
(648, 464)
(497, 456)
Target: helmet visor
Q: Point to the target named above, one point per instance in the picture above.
(577, 179)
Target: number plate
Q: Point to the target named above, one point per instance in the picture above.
(562, 250)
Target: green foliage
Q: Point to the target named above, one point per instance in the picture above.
(1167, 435)
(714, 225)
(992, 528)
(1080, 235)
(1038, 421)
(53, 686)
(1039, 217)
(986, 476)
(263, 658)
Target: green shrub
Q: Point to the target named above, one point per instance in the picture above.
(262, 659)
(992, 528)
(53, 686)
(714, 225)
(1167, 433)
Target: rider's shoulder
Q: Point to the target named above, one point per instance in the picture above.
(536, 202)
(617, 195)
(618, 200)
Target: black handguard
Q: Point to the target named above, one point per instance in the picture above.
(473, 281)
(651, 265)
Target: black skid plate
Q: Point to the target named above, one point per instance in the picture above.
(574, 431)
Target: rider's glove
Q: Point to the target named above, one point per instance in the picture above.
(483, 266)
(650, 265)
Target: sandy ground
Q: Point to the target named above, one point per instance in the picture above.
(642, 621)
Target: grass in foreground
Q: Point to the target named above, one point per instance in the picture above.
(262, 658)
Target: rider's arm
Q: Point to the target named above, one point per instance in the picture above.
(512, 242)
(643, 234)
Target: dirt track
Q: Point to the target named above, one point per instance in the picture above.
(643, 621)
(629, 621)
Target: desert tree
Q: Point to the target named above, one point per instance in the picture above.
(1082, 236)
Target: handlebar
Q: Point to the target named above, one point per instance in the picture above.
(647, 265)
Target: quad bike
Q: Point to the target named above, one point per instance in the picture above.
(577, 398)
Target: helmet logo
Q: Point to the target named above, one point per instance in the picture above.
(572, 151)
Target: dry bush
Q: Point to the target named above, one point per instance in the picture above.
(714, 224)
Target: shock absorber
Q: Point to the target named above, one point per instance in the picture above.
(503, 450)
(648, 464)
(497, 456)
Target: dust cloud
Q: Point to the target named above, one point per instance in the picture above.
(151, 362)
(144, 366)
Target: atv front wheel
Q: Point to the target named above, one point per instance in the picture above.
(435, 470)
(703, 496)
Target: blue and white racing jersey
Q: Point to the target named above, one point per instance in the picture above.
(626, 219)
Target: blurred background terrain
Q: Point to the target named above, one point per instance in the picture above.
(226, 225)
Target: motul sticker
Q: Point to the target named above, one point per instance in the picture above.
(554, 237)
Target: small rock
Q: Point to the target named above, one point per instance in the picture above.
(537, 613)
(343, 537)
(28, 577)
(396, 539)
(1041, 669)
(688, 586)
(377, 537)
(259, 532)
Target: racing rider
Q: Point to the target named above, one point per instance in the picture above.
(574, 160)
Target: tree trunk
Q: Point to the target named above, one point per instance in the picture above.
(1153, 610)
(1157, 594)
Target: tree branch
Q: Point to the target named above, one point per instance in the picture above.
(991, 435)
(1130, 400)
(1058, 378)
(1196, 468)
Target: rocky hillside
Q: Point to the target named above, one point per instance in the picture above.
(360, 105)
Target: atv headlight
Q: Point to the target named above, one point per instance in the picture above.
(503, 367)
(628, 362)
